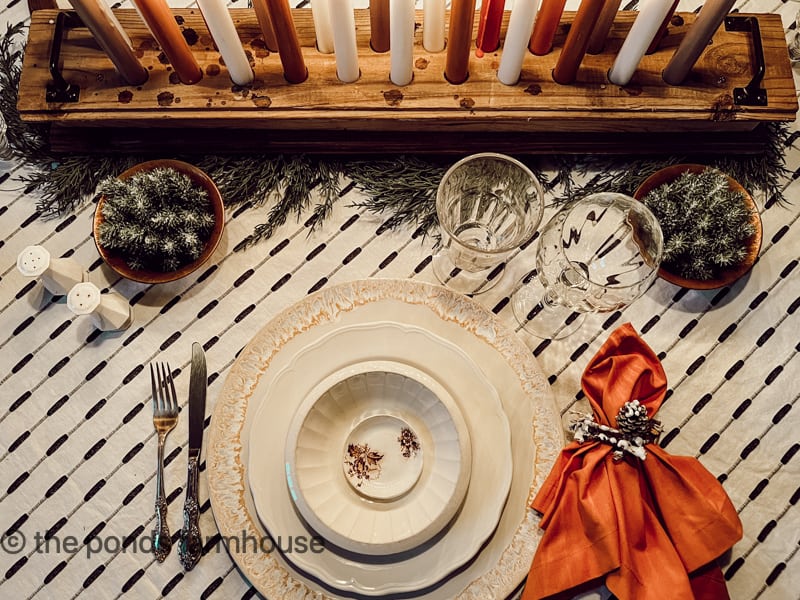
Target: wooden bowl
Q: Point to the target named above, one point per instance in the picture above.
(727, 276)
(117, 263)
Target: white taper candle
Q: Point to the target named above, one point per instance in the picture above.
(433, 13)
(343, 26)
(515, 46)
(648, 21)
(401, 40)
(223, 31)
(323, 28)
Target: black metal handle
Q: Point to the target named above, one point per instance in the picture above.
(752, 94)
(60, 90)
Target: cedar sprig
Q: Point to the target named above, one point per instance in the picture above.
(157, 220)
(706, 224)
(300, 176)
(25, 139)
(404, 188)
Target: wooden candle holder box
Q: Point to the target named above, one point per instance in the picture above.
(742, 81)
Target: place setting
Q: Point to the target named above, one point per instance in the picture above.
(405, 429)
(410, 451)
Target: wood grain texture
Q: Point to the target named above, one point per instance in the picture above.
(429, 103)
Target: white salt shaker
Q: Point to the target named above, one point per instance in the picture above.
(55, 275)
(109, 312)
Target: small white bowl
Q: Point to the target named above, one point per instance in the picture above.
(378, 458)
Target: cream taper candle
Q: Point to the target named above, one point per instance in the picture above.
(105, 28)
(433, 14)
(343, 26)
(648, 22)
(696, 40)
(223, 32)
(401, 41)
(323, 25)
(515, 46)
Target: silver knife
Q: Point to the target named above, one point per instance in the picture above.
(191, 546)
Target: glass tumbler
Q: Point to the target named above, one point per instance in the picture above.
(488, 205)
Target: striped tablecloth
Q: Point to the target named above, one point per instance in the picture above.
(77, 448)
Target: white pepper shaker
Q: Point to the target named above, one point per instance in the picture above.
(55, 275)
(109, 312)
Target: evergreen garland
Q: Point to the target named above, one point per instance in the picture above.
(706, 224)
(402, 189)
(156, 220)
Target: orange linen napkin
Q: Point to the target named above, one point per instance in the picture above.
(648, 528)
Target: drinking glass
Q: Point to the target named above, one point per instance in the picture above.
(488, 205)
(597, 254)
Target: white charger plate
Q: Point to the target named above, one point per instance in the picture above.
(351, 344)
(416, 492)
(536, 433)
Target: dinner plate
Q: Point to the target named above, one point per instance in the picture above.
(378, 457)
(536, 433)
(491, 469)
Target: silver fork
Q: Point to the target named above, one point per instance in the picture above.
(165, 417)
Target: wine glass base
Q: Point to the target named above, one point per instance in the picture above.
(546, 321)
(469, 283)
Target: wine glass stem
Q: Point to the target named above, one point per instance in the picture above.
(549, 299)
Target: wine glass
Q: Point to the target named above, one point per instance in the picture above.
(488, 204)
(597, 254)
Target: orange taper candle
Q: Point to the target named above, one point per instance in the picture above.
(597, 40)
(544, 29)
(379, 25)
(574, 50)
(294, 66)
(459, 41)
(265, 24)
(159, 19)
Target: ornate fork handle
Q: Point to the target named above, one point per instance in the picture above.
(191, 546)
(162, 542)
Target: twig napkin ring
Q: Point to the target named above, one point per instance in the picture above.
(634, 433)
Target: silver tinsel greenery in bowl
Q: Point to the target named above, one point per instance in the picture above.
(712, 229)
(158, 221)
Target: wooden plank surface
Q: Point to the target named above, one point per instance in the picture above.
(429, 103)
